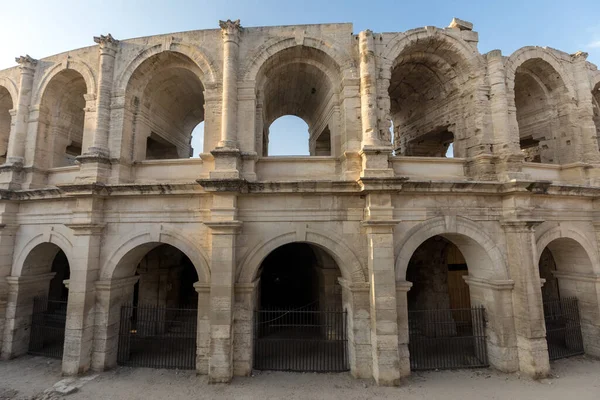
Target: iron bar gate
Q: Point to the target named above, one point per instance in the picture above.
(300, 340)
(445, 339)
(563, 328)
(157, 337)
(47, 336)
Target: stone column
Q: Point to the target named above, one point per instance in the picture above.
(8, 231)
(379, 226)
(110, 296)
(95, 164)
(374, 152)
(527, 298)
(19, 308)
(355, 300)
(245, 303)
(15, 154)
(506, 135)
(79, 329)
(223, 237)
(203, 327)
(227, 154)
(402, 288)
(584, 117)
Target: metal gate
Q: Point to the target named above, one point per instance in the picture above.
(445, 339)
(47, 336)
(563, 329)
(300, 340)
(157, 337)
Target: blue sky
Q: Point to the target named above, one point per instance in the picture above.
(41, 28)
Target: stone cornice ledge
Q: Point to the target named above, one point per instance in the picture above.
(309, 186)
(577, 277)
(227, 227)
(496, 284)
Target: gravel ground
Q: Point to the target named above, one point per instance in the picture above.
(28, 377)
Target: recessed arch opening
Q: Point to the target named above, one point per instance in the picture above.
(596, 107)
(158, 310)
(567, 273)
(6, 105)
(425, 96)
(299, 324)
(61, 121)
(304, 82)
(542, 106)
(164, 109)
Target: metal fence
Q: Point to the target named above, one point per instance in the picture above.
(47, 336)
(446, 339)
(563, 328)
(300, 340)
(157, 337)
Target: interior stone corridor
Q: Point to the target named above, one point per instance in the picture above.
(103, 207)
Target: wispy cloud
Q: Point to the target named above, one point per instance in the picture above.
(594, 44)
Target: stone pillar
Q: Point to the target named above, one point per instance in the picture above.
(379, 226)
(496, 297)
(110, 296)
(527, 298)
(95, 164)
(203, 327)
(506, 135)
(223, 237)
(15, 155)
(374, 152)
(8, 230)
(355, 299)
(79, 329)
(245, 303)
(19, 308)
(227, 154)
(402, 288)
(584, 118)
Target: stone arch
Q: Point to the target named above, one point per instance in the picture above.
(344, 61)
(134, 247)
(7, 109)
(485, 259)
(572, 241)
(71, 64)
(40, 248)
(348, 263)
(11, 87)
(428, 77)
(526, 53)
(194, 53)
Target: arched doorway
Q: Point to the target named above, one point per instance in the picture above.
(158, 318)
(570, 299)
(299, 324)
(6, 105)
(445, 331)
(49, 308)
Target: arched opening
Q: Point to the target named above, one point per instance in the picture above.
(6, 105)
(61, 120)
(288, 136)
(426, 96)
(299, 81)
(596, 107)
(570, 298)
(542, 107)
(299, 324)
(158, 313)
(48, 307)
(444, 330)
(164, 108)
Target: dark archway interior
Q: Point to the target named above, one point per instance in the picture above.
(547, 265)
(289, 277)
(436, 271)
(60, 266)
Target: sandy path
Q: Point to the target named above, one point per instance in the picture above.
(575, 379)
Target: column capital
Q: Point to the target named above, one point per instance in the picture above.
(224, 227)
(16, 281)
(110, 284)
(108, 45)
(81, 229)
(26, 63)
(230, 30)
(518, 225)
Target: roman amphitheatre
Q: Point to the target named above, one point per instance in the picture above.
(448, 215)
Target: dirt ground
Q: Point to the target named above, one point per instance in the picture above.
(28, 377)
